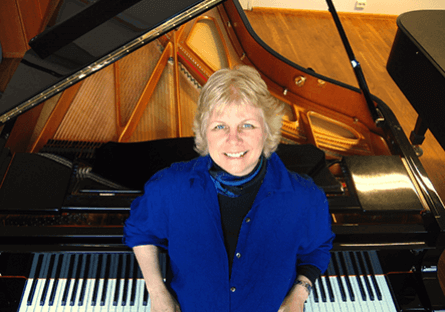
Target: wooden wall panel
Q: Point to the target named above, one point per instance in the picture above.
(21, 20)
(12, 34)
(31, 17)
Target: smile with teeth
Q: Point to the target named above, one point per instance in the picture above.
(236, 155)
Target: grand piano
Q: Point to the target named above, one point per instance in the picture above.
(105, 97)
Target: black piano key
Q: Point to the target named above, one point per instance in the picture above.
(76, 276)
(346, 270)
(35, 280)
(373, 279)
(103, 298)
(336, 265)
(47, 281)
(127, 275)
(331, 270)
(366, 275)
(97, 280)
(56, 280)
(68, 279)
(357, 274)
(85, 278)
(118, 280)
(135, 275)
(145, 301)
(319, 282)
(329, 287)
(315, 292)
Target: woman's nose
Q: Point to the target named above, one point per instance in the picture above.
(234, 135)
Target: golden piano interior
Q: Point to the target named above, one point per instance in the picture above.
(151, 94)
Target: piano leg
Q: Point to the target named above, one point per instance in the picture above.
(418, 135)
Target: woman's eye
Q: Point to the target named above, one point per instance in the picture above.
(248, 126)
(219, 127)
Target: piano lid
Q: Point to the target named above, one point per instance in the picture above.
(426, 28)
(76, 53)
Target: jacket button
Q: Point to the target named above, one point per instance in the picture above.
(232, 289)
(248, 220)
(238, 255)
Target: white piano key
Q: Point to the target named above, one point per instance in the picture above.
(314, 306)
(379, 304)
(127, 307)
(96, 303)
(88, 297)
(388, 303)
(109, 286)
(45, 307)
(105, 305)
(35, 307)
(83, 282)
(23, 306)
(310, 305)
(116, 292)
(140, 297)
(30, 285)
(75, 307)
(342, 305)
(73, 290)
(334, 306)
(364, 304)
(86, 305)
(57, 304)
(119, 306)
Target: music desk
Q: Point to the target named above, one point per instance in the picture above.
(417, 65)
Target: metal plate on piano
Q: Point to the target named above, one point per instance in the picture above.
(44, 72)
(383, 184)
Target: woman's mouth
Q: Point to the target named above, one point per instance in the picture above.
(235, 155)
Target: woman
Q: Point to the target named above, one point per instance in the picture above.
(242, 233)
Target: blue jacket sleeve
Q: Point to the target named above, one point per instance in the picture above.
(319, 234)
(148, 220)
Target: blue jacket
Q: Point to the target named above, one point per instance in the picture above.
(289, 223)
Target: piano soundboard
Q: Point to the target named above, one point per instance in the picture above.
(79, 282)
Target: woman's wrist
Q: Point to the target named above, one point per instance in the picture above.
(306, 285)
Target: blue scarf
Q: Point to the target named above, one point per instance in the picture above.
(230, 185)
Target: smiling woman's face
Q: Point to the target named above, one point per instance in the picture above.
(236, 137)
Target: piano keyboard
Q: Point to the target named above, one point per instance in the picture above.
(88, 282)
(354, 281)
(85, 282)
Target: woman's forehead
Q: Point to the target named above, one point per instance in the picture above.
(241, 106)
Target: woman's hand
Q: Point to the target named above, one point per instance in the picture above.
(294, 301)
(162, 301)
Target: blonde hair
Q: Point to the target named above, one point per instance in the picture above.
(242, 85)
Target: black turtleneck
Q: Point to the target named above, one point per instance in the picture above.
(234, 210)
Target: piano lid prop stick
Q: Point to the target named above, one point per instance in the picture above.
(355, 65)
